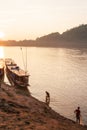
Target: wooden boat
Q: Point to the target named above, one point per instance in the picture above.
(1, 71)
(16, 76)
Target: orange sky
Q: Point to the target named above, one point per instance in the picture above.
(29, 19)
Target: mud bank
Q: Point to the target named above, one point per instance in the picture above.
(22, 112)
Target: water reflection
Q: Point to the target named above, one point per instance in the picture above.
(1, 52)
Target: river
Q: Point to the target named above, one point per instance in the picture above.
(60, 71)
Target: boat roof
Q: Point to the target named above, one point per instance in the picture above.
(1, 63)
(17, 70)
(9, 61)
(12, 66)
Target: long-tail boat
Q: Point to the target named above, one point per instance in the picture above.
(16, 76)
(1, 71)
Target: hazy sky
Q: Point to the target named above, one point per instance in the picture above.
(29, 19)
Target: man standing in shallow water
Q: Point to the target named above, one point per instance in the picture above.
(78, 114)
(47, 98)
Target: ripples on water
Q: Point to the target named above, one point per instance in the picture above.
(62, 72)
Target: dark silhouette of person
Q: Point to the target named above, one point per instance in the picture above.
(47, 98)
(78, 114)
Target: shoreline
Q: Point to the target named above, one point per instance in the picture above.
(19, 111)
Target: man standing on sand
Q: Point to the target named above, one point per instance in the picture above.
(47, 98)
(78, 114)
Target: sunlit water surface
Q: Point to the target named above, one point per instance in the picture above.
(62, 72)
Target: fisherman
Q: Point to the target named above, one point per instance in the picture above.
(78, 114)
(47, 98)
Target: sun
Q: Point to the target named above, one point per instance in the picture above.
(2, 34)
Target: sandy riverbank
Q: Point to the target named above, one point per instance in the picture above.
(20, 112)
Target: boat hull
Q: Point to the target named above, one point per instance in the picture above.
(1, 75)
(1, 71)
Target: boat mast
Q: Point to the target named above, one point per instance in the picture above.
(23, 59)
(26, 59)
(25, 65)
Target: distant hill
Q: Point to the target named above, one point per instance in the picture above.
(71, 38)
(76, 34)
(74, 37)
(50, 37)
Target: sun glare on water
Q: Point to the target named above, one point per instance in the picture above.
(1, 48)
(1, 52)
